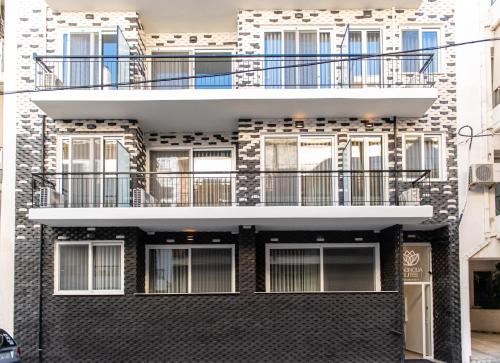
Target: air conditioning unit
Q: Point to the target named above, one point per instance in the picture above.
(481, 174)
(140, 198)
(49, 198)
(52, 81)
(410, 197)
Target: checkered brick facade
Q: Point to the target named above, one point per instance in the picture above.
(250, 325)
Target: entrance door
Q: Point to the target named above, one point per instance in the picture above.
(418, 301)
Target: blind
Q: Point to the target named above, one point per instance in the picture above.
(107, 267)
(73, 267)
(294, 270)
(211, 270)
(168, 270)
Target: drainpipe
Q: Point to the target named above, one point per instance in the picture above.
(396, 178)
(40, 256)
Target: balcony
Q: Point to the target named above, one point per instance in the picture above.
(223, 200)
(212, 16)
(211, 92)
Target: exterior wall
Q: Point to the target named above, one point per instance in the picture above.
(164, 41)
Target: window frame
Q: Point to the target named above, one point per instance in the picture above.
(189, 248)
(90, 245)
(440, 53)
(442, 156)
(321, 246)
(299, 137)
(298, 29)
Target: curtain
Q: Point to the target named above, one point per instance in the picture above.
(211, 67)
(290, 47)
(325, 47)
(431, 152)
(410, 42)
(212, 189)
(308, 46)
(281, 155)
(294, 270)
(85, 158)
(211, 270)
(376, 179)
(355, 66)
(413, 154)
(357, 179)
(73, 267)
(82, 71)
(316, 155)
(429, 40)
(349, 269)
(107, 267)
(170, 188)
(272, 72)
(168, 270)
(373, 66)
(170, 68)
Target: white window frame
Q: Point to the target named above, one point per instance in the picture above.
(189, 248)
(321, 246)
(299, 137)
(442, 157)
(192, 52)
(191, 150)
(364, 44)
(59, 158)
(298, 29)
(90, 290)
(440, 52)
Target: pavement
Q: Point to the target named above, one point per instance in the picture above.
(485, 348)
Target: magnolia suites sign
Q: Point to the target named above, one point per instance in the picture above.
(415, 263)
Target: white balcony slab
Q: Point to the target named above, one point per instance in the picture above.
(229, 218)
(214, 15)
(219, 110)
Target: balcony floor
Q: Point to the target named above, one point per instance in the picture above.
(219, 110)
(229, 218)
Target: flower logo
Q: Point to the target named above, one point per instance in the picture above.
(410, 258)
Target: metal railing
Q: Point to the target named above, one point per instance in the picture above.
(271, 188)
(234, 71)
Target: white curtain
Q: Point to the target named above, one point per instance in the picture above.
(107, 267)
(281, 155)
(290, 47)
(272, 46)
(357, 180)
(376, 179)
(356, 65)
(431, 152)
(73, 267)
(170, 188)
(212, 189)
(84, 72)
(86, 158)
(168, 270)
(176, 69)
(294, 270)
(429, 40)
(307, 46)
(325, 47)
(211, 270)
(413, 154)
(316, 156)
(410, 42)
(349, 269)
(373, 65)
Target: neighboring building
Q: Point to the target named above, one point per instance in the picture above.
(478, 93)
(233, 185)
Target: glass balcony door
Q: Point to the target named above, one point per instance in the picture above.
(364, 71)
(365, 184)
(170, 72)
(294, 169)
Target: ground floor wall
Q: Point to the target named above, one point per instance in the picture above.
(250, 325)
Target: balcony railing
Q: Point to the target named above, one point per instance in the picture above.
(234, 71)
(214, 189)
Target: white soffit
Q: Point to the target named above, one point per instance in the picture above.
(212, 15)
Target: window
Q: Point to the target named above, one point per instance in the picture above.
(364, 71)
(423, 152)
(89, 268)
(200, 177)
(87, 155)
(322, 267)
(309, 160)
(487, 288)
(190, 269)
(497, 199)
(417, 39)
(284, 72)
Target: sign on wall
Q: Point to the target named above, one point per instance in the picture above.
(416, 263)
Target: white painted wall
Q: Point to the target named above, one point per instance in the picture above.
(414, 318)
(474, 107)
(7, 222)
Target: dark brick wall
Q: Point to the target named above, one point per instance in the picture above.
(247, 326)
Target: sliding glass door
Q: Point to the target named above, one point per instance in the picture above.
(298, 171)
(368, 70)
(169, 184)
